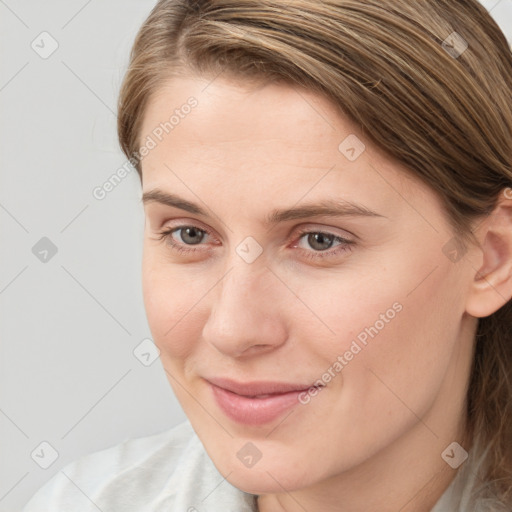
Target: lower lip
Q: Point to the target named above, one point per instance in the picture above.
(254, 411)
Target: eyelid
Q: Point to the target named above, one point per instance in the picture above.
(185, 223)
(344, 245)
(330, 230)
(300, 229)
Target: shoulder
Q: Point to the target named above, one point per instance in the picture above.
(167, 471)
(462, 495)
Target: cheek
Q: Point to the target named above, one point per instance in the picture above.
(352, 307)
(409, 355)
(400, 317)
(171, 298)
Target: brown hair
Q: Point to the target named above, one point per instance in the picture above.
(396, 69)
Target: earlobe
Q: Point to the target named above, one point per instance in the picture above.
(492, 284)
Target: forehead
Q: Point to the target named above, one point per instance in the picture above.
(226, 109)
(279, 138)
(238, 129)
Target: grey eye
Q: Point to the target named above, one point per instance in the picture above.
(191, 235)
(319, 241)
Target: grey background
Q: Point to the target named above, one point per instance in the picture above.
(70, 324)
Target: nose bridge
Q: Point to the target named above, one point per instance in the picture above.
(243, 312)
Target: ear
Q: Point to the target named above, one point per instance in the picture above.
(491, 287)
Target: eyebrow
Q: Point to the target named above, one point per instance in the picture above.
(327, 207)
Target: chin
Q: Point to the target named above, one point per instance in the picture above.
(262, 482)
(279, 471)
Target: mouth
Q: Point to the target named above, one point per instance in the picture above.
(256, 403)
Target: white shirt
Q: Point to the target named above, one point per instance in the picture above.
(167, 472)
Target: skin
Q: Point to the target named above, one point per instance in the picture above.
(372, 438)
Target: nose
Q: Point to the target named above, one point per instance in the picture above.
(245, 317)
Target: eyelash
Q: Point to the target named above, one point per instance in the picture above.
(345, 245)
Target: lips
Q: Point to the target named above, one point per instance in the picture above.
(255, 403)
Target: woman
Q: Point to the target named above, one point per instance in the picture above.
(327, 266)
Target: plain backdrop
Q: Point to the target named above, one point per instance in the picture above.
(71, 304)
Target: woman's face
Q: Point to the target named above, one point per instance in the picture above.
(354, 322)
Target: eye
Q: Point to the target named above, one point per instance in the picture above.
(190, 235)
(183, 238)
(321, 242)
